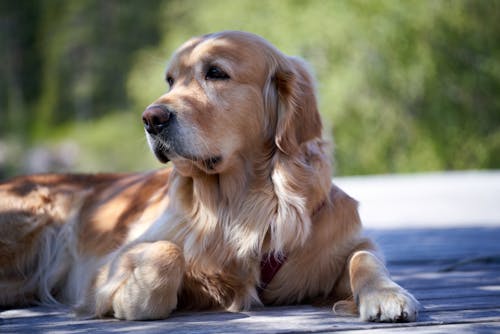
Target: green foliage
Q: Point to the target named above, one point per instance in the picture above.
(116, 139)
(404, 86)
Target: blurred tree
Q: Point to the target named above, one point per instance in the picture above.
(89, 47)
(69, 60)
(404, 86)
(20, 64)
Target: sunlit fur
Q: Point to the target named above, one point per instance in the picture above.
(138, 246)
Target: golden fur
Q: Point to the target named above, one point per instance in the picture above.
(250, 178)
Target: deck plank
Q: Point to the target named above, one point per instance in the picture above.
(273, 320)
(457, 296)
(482, 327)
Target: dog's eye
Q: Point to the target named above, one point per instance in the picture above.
(170, 81)
(215, 73)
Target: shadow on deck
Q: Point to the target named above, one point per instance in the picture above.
(455, 273)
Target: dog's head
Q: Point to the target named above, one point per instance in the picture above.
(231, 94)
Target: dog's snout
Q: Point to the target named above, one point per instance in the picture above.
(155, 118)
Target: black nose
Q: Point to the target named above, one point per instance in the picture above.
(156, 118)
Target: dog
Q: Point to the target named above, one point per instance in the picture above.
(247, 215)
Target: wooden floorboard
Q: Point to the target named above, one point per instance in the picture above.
(459, 289)
(482, 327)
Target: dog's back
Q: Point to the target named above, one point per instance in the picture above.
(50, 225)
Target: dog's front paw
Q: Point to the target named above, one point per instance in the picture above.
(141, 283)
(390, 304)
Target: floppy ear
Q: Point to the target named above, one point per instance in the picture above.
(295, 125)
(298, 120)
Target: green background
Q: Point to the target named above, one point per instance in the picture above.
(404, 86)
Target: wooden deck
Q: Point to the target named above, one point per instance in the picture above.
(455, 273)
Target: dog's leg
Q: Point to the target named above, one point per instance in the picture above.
(377, 296)
(140, 283)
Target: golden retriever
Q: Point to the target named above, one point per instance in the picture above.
(248, 214)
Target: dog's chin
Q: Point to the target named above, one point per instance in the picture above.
(208, 165)
(161, 156)
(196, 166)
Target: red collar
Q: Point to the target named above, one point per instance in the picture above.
(271, 263)
(269, 266)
